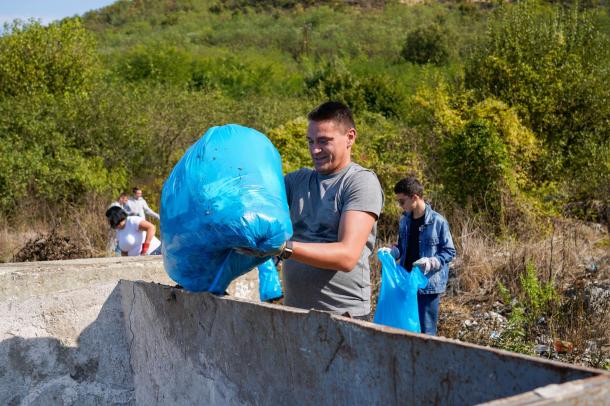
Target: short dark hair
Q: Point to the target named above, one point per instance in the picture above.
(135, 189)
(115, 215)
(409, 186)
(123, 195)
(334, 111)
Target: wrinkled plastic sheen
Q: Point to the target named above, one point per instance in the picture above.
(269, 286)
(397, 304)
(227, 191)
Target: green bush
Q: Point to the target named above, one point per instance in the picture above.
(377, 93)
(38, 159)
(426, 44)
(290, 139)
(159, 63)
(55, 59)
(533, 300)
(551, 65)
(476, 168)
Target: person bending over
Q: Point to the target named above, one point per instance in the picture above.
(135, 235)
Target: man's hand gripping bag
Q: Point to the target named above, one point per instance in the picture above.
(226, 192)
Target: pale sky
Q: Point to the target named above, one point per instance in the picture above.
(46, 10)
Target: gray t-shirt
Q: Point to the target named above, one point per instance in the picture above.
(316, 204)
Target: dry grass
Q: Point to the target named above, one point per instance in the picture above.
(85, 224)
(573, 255)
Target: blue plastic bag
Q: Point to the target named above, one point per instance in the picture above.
(269, 286)
(397, 304)
(227, 191)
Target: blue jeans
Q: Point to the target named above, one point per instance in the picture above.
(427, 305)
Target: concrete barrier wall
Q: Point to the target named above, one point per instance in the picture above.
(198, 348)
(70, 335)
(62, 339)
(62, 336)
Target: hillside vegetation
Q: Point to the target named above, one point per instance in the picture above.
(503, 110)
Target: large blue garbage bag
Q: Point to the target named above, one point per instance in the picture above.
(269, 286)
(397, 303)
(227, 191)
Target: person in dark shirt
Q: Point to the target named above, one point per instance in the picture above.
(424, 240)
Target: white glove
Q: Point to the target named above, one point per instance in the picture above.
(393, 251)
(428, 264)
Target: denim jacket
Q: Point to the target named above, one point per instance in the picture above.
(434, 240)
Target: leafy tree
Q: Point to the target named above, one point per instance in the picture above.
(290, 141)
(376, 93)
(46, 77)
(159, 63)
(39, 160)
(480, 154)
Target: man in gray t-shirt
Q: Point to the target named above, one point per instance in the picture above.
(334, 210)
(317, 204)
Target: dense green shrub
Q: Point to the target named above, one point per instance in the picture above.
(334, 81)
(476, 167)
(55, 59)
(160, 63)
(427, 44)
(38, 159)
(551, 65)
(47, 75)
(290, 139)
(376, 93)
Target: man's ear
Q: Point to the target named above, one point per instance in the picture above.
(351, 137)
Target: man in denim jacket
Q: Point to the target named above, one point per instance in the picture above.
(424, 241)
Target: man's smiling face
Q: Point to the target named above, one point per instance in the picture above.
(330, 145)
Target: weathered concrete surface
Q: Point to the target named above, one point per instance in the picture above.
(203, 349)
(73, 336)
(28, 279)
(63, 341)
(583, 392)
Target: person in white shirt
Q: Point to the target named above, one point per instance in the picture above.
(137, 206)
(113, 246)
(135, 235)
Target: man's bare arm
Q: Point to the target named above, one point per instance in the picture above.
(343, 255)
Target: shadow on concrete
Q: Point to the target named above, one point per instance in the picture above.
(196, 348)
(43, 371)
